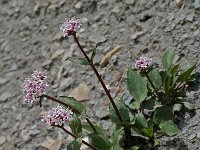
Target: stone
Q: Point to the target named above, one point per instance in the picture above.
(79, 5)
(96, 38)
(2, 140)
(58, 53)
(131, 2)
(47, 62)
(190, 17)
(3, 81)
(65, 83)
(34, 131)
(81, 92)
(108, 56)
(25, 135)
(179, 2)
(58, 36)
(5, 96)
(101, 113)
(192, 136)
(116, 9)
(52, 144)
(136, 35)
(198, 135)
(196, 4)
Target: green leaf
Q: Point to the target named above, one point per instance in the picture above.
(155, 78)
(168, 58)
(88, 128)
(135, 105)
(99, 142)
(137, 85)
(163, 113)
(149, 130)
(73, 103)
(177, 107)
(122, 110)
(140, 121)
(184, 75)
(175, 69)
(169, 127)
(138, 133)
(151, 104)
(188, 105)
(135, 148)
(116, 137)
(93, 54)
(75, 145)
(156, 142)
(79, 60)
(76, 126)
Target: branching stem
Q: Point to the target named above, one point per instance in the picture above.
(73, 109)
(68, 132)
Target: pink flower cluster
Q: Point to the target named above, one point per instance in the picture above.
(70, 26)
(35, 86)
(143, 63)
(58, 116)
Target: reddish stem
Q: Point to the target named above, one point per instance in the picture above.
(86, 143)
(73, 109)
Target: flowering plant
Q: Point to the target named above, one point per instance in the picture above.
(157, 94)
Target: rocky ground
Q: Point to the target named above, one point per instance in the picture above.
(30, 39)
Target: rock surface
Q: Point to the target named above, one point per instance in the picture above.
(30, 39)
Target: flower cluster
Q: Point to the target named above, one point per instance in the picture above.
(143, 63)
(58, 116)
(35, 86)
(70, 26)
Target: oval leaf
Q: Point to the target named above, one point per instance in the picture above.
(140, 121)
(169, 127)
(79, 60)
(162, 114)
(184, 76)
(99, 142)
(122, 110)
(75, 145)
(137, 85)
(76, 126)
(168, 58)
(73, 103)
(155, 78)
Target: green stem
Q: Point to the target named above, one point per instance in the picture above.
(73, 109)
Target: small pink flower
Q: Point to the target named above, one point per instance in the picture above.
(35, 86)
(143, 63)
(58, 116)
(70, 26)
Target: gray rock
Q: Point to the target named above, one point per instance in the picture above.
(34, 131)
(97, 38)
(192, 136)
(116, 9)
(101, 113)
(190, 17)
(5, 96)
(198, 135)
(2, 140)
(129, 2)
(79, 5)
(3, 81)
(25, 135)
(196, 4)
(65, 83)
